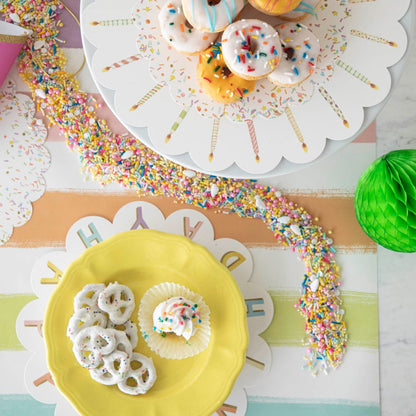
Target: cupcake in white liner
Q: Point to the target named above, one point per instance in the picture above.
(174, 321)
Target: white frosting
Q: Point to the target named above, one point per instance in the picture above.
(213, 18)
(251, 48)
(300, 49)
(177, 315)
(175, 29)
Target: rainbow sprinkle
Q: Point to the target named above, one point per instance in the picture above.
(110, 157)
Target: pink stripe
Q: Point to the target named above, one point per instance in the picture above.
(267, 3)
(368, 135)
(288, 6)
(272, 6)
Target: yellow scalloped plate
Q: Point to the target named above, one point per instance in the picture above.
(140, 259)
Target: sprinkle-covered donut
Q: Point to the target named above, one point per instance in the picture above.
(275, 7)
(179, 32)
(251, 48)
(217, 81)
(300, 51)
(211, 15)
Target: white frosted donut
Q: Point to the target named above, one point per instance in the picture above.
(211, 15)
(178, 31)
(109, 373)
(138, 380)
(83, 318)
(251, 48)
(300, 51)
(88, 296)
(130, 329)
(118, 301)
(92, 343)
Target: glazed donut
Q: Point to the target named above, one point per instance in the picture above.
(275, 7)
(304, 9)
(217, 81)
(300, 50)
(179, 33)
(251, 48)
(211, 15)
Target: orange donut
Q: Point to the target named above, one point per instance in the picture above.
(275, 7)
(217, 81)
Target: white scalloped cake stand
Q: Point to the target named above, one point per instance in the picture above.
(263, 147)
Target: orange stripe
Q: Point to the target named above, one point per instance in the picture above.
(55, 212)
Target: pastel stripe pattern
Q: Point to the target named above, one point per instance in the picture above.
(324, 189)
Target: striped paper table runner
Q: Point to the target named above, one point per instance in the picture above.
(325, 189)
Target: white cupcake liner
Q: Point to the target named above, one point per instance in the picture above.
(173, 346)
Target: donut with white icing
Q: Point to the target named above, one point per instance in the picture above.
(300, 51)
(212, 15)
(179, 33)
(251, 48)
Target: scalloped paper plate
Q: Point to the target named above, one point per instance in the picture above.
(360, 40)
(141, 259)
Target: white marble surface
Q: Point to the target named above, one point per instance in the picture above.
(396, 129)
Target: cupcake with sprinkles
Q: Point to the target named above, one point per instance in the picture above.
(174, 321)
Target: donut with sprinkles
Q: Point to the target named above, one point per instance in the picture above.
(179, 33)
(251, 48)
(275, 7)
(217, 81)
(212, 15)
(301, 49)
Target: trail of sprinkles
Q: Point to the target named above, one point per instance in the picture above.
(110, 157)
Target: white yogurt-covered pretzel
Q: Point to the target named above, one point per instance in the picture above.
(118, 301)
(88, 296)
(108, 373)
(300, 52)
(211, 15)
(83, 318)
(251, 48)
(92, 343)
(179, 33)
(138, 380)
(130, 329)
(122, 342)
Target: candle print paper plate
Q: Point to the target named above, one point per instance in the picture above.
(154, 92)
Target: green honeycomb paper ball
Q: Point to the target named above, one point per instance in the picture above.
(385, 201)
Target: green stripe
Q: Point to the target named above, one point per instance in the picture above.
(257, 407)
(10, 306)
(23, 404)
(361, 317)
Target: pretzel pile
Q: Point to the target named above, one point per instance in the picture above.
(104, 338)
